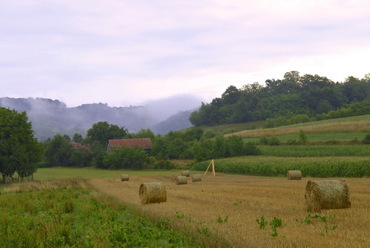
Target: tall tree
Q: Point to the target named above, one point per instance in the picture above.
(19, 149)
(103, 131)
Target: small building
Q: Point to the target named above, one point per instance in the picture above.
(115, 144)
(78, 146)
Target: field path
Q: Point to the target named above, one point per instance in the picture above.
(227, 206)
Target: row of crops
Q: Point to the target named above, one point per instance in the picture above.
(313, 161)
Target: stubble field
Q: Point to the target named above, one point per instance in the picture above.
(223, 209)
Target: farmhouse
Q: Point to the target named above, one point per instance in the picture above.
(115, 144)
(78, 146)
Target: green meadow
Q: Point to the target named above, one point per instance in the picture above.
(71, 217)
(90, 172)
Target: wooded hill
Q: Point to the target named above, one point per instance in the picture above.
(310, 95)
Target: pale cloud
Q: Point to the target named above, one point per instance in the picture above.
(128, 52)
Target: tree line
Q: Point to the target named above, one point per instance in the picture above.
(188, 144)
(310, 96)
(21, 153)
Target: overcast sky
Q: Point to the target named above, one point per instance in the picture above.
(128, 52)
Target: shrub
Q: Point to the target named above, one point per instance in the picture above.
(164, 164)
(366, 140)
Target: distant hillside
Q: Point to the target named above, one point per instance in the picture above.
(174, 123)
(51, 117)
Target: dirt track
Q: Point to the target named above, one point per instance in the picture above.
(199, 208)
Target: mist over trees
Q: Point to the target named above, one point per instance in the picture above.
(308, 95)
(51, 117)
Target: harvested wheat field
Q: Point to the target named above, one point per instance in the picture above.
(224, 208)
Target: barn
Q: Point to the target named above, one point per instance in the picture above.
(116, 144)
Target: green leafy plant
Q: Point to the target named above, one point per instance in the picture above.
(222, 220)
(275, 223)
(203, 230)
(179, 215)
(262, 222)
(328, 228)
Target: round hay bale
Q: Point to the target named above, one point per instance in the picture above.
(294, 175)
(154, 192)
(327, 194)
(181, 180)
(196, 177)
(185, 173)
(124, 177)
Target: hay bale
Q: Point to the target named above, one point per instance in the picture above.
(327, 194)
(154, 192)
(181, 180)
(124, 177)
(196, 177)
(294, 175)
(185, 173)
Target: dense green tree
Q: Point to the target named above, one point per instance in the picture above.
(312, 95)
(144, 133)
(231, 95)
(77, 138)
(58, 151)
(19, 149)
(125, 158)
(103, 131)
(81, 157)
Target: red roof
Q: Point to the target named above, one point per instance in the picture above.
(78, 146)
(145, 143)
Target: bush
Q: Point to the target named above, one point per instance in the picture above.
(165, 165)
(125, 158)
(273, 141)
(252, 150)
(366, 140)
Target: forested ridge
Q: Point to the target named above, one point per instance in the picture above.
(310, 95)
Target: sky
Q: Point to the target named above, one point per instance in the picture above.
(130, 52)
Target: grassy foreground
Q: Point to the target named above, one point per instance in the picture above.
(70, 216)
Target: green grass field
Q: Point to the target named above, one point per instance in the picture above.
(90, 172)
(72, 217)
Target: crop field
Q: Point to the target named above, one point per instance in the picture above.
(278, 166)
(316, 150)
(249, 211)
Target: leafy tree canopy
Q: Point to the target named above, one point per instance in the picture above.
(19, 149)
(103, 131)
(309, 95)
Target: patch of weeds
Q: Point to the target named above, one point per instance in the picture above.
(204, 231)
(222, 220)
(275, 223)
(237, 203)
(319, 218)
(328, 228)
(179, 215)
(262, 222)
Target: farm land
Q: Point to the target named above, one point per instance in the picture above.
(249, 203)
